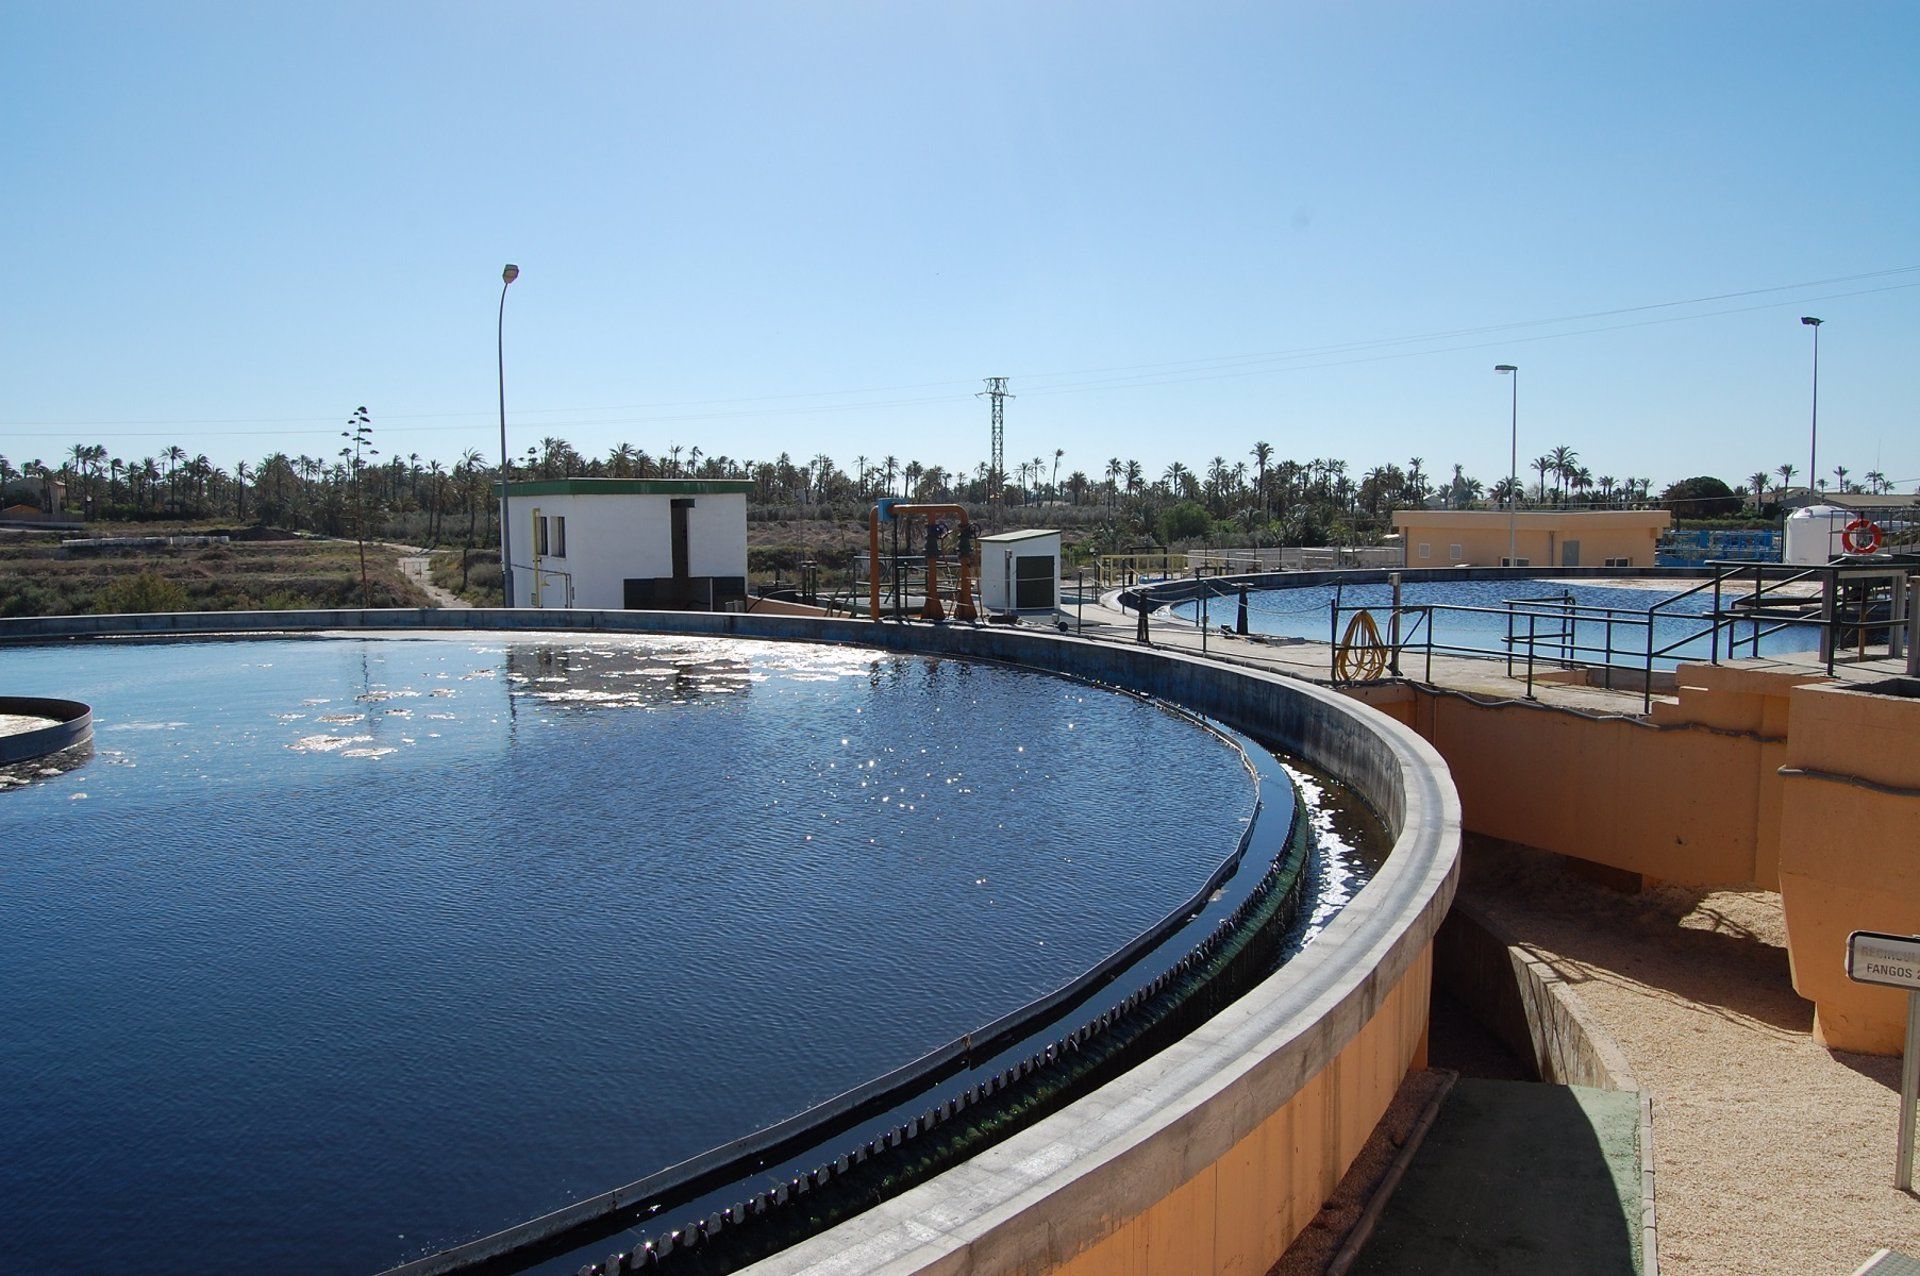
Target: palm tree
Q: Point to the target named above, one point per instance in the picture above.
(1564, 458)
(1262, 454)
(1545, 465)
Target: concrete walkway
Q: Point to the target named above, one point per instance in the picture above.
(1518, 1177)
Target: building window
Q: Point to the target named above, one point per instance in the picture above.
(539, 536)
(1516, 562)
(1426, 550)
(1619, 562)
(1454, 553)
(560, 536)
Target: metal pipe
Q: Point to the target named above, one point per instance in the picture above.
(1909, 1085)
(507, 277)
(1813, 442)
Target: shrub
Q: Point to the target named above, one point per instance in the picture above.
(141, 592)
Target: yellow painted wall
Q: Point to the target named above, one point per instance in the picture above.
(1754, 776)
(1850, 853)
(1237, 1215)
(1481, 536)
(1684, 801)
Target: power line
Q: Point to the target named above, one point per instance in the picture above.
(1219, 367)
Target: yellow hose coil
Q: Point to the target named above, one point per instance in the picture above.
(1362, 656)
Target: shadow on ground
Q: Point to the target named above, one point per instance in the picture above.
(1516, 1177)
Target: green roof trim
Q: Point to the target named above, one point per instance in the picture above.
(631, 487)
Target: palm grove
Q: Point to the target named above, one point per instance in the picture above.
(1250, 500)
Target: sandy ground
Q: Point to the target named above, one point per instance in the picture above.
(1773, 1154)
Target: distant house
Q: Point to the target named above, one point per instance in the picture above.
(1540, 538)
(653, 544)
(43, 496)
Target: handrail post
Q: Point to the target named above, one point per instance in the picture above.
(1646, 698)
(1532, 630)
(1333, 637)
(1829, 583)
(1913, 626)
(1714, 636)
(1430, 641)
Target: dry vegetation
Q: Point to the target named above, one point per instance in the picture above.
(40, 578)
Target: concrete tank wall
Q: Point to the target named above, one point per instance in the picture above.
(1213, 1154)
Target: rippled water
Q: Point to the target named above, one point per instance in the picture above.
(339, 950)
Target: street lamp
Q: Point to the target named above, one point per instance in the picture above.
(1813, 444)
(507, 276)
(1513, 461)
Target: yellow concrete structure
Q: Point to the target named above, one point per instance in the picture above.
(1239, 1213)
(1764, 775)
(1541, 538)
(1850, 850)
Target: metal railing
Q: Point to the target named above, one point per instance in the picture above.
(1865, 608)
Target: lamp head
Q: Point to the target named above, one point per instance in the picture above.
(510, 274)
(1505, 367)
(1810, 321)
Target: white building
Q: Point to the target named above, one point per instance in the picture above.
(1020, 571)
(655, 544)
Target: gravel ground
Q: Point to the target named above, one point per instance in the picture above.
(1773, 1154)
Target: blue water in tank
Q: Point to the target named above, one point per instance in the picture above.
(338, 950)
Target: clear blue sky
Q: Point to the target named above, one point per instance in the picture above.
(810, 227)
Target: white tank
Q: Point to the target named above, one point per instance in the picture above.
(1813, 534)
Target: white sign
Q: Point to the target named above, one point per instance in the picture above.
(1874, 958)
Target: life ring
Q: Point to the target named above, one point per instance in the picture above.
(1861, 537)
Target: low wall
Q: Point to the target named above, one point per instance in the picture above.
(72, 724)
(1213, 1154)
(1525, 1003)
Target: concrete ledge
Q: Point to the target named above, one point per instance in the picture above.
(1525, 1002)
(72, 724)
(1536, 1013)
(1223, 1145)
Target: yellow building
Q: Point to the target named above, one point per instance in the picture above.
(1541, 538)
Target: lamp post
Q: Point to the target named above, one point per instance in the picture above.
(507, 277)
(1513, 461)
(1813, 443)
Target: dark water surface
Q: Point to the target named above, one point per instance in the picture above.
(340, 950)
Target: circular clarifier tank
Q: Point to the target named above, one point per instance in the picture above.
(342, 950)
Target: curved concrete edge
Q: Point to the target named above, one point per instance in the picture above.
(73, 724)
(1060, 1188)
(1538, 1015)
(1526, 1003)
